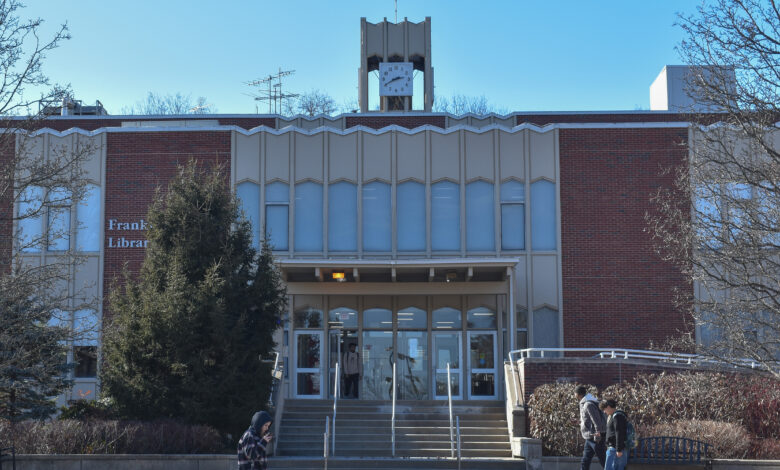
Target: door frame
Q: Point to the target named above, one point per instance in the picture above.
(310, 370)
(481, 370)
(436, 370)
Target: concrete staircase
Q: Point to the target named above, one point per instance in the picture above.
(422, 430)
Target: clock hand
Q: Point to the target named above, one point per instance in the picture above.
(391, 81)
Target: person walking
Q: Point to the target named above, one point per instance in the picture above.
(617, 454)
(591, 427)
(353, 368)
(253, 445)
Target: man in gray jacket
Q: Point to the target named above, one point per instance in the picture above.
(592, 427)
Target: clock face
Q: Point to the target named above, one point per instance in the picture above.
(396, 78)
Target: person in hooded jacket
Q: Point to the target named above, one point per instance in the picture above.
(617, 426)
(591, 427)
(252, 454)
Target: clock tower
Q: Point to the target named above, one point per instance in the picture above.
(395, 51)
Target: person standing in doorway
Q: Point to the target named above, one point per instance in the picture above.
(592, 428)
(353, 368)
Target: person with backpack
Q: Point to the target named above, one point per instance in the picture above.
(618, 440)
(592, 426)
(352, 367)
(252, 453)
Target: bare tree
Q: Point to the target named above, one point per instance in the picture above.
(173, 103)
(721, 223)
(315, 102)
(37, 190)
(462, 104)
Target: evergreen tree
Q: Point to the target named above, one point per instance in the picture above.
(184, 340)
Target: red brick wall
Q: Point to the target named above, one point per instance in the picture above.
(136, 164)
(7, 149)
(542, 119)
(63, 124)
(410, 122)
(616, 290)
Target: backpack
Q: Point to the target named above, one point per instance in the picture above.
(630, 432)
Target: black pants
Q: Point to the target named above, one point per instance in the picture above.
(351, 385)
(593, 448)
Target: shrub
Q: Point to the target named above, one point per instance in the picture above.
(554, 418)
(729, 441)
(88, 409)
(765, 449)
(70, 436)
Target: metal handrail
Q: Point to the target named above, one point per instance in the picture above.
(392, 422)
(457, 421)
(335, 402)
(449, 399)
(325, 443)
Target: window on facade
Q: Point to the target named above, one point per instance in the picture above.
(30, 225)
(307, 317)
(249, 198)
(86, 327)
(88, 217)
(58, 204)
(543, 225)
(378, 318)
(512, 215)
(522, 327)
(480, 218)
(445, 216)
(343, 317)
(377, 222)
(342, 217)
(481, 318)
(447, 318)
(412, 318)
(410, 207)
(85, 358)
(308, 216)
(546, 329)
(277, 204)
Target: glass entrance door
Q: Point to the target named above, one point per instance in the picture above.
(482, 364)
(338, 344)
(412, 368)
(377, 356)
(308, 376)
(446, 349)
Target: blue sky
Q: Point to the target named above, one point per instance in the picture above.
(565, 55)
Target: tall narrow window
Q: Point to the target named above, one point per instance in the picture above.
(86, 327)
(249, 196)
(376, 217)
(30, 225)
(512, 215)
(543, 226)
(480, 219)
(308, 216)
(88, 217)
(342, 216)
(410, 218)
(546, 328)
(58, 233)
(445, 216)
(277, 205)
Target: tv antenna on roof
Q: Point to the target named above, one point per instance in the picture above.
(274, 94)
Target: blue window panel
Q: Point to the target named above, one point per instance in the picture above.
(59, 220)
(376, 217)
(512, 226)
(512, 191)
(445, 216)
(86, 326)
(342, 217)
(480, 218)
(277, 192)
(308, 216)
(276, 226)
(88, 216)
(410, 217)
(249, 202)
(30, 226)
(543, 225)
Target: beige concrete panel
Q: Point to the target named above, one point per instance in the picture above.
(479, 156)
(61, 148)
(30, 148)
(86, 281)
(511, 155)
(452, 301)
(310, 124)
(395, 40)
(411, 156)
(308, 157)
(374, 40)
(313, 301)
(445, 158)
(474, 301)
(510, 121)
(544, 269)
(378, 301)
(542, 155)
(521, 283)
(417, 39)
(277, 157)
(342, 157)
(406, 301)
(376, 157)
(342, 301)
(459, 121)
(248, 157)
(93, 148)
(396, 288)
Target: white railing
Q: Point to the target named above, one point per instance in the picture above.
(515, 378)
(335, 402)
(392, 422)
(325, 443)
(449, 399)
(457, 421)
